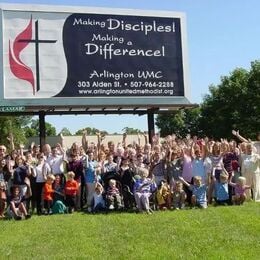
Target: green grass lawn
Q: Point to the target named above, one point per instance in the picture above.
(215, 233)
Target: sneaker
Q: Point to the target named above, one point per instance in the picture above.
(18, 218)
(89, 209)
(111, 207)
(27, 216)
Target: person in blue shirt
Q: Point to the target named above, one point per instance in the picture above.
(199, 192)
(221, 190)
(92, 171)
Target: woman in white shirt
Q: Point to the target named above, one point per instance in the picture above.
(41, 169)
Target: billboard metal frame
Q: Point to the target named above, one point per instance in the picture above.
(95, 105)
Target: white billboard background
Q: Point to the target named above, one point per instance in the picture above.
(53, 67)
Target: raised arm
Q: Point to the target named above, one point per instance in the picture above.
(10, 138)
(61, 140)
(184, 182)
(241, 138)
(124, 140)
(145, 137)
(98, 134)
(62, 151)
(84, 141)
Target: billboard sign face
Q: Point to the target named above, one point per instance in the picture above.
(91, 56)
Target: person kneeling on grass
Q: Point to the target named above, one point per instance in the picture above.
(199, 192)
(240, 190)
(58, 206)
(221, 189)
(71, 188)
(178, 196)
(17, 207)
(163, 195)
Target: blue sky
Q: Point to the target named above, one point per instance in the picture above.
(222, 35)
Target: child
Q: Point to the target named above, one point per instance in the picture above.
(113, 196)
(179, 196)
(240, 190)
(17, 206)
(71, 188)
(221, 189)
(163, 195)
(2, 198)
(143, 189)
(199, 192)
(48, 194)
(99, 203)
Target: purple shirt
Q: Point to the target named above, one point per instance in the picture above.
(227, 161)
(187, 168)
(77, 168)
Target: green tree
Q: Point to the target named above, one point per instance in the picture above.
(180, 122)
(65, 131)
(90, 131)
(131, 131)
(33, 129)
(13, 127)
(233, 104)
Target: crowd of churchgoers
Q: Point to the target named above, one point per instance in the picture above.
(168, 174)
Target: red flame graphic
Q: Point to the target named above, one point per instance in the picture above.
(18, 68)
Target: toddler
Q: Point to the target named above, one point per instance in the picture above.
(99, 203)
(71, 188)
(113, 196)
(48, 194)
(221, 189)
(199, 192)
(178, 196)
(163, 195)
(240, 190)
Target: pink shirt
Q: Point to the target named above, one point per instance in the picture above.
(239, 190)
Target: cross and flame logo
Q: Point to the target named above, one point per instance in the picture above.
(17, 66)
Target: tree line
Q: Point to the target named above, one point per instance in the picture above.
(232, 104)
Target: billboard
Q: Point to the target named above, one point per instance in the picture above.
(55, 55)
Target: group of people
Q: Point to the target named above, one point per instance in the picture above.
(171, 173)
